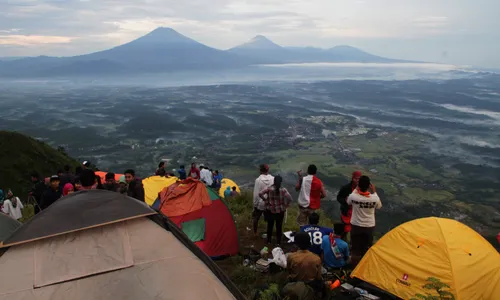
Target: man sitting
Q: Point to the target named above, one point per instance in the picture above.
(316, 233)
(335, 250)
(304, 268)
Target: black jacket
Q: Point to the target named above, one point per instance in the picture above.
(49, 196)
(115, 187)
(67, 178)
(344, 192)
(37, 191)
(136, 190)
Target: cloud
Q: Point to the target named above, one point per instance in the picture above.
(431, 22)
(91, 25)
(32, 40)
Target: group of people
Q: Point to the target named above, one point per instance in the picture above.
(64, 183)
(318, 246)
(210, 177)
(271, 199)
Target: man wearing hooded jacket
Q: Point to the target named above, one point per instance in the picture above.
(262, 182)
(346, 209)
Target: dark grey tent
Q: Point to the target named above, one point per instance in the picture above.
(103, 245)
(7, 226)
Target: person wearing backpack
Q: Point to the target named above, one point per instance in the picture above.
(277, 200)
(13, 206)
(335, 250)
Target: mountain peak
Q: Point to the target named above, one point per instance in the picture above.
(259, 42)
(163, 35)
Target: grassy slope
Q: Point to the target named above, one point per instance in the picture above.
(247, 279)
(21, 155)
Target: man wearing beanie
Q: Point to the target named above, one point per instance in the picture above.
(346, 209)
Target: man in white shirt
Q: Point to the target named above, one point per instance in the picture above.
(13, 206)
(364, 201)
(206, 176)
(261, 183)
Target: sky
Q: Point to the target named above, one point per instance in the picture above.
(462, 32)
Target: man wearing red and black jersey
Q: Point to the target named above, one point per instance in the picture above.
(346, 209)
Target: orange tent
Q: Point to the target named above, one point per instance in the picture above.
(103, 176)
(184, 197)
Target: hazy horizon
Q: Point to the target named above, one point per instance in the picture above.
(451, 32)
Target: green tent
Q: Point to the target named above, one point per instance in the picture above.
(7, 226)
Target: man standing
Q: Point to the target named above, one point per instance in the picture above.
(110, 183)
(37, 190)
(88, 180)
(364, 201)
(135, 187)
(262, 182)
(85, 165)
(311, 191)
(66, 176)
(182, 172)
(206, 176)
(194, 172)
(52, 194)
(161, 166)
(346, 209)
(316, 233)
(217, 180)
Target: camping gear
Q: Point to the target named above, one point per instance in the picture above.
(262, 265)
(333, 285)
(153, 185)
(226, 182)
(99, 244)
(7, 226)
(198, 210)
(403, 260)
(279, 257)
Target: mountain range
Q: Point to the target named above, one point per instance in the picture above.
(166, 50)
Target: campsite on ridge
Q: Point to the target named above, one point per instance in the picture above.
(249, 150)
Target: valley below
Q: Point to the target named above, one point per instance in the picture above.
(430, 146)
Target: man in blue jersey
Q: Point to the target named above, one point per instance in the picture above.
(335, 250)
(316, 233)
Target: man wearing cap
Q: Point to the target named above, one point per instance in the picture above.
(85, 164)
(346, 209)
(262, 182)
(52, 194)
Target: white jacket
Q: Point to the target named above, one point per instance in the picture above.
(14, 212)
(206, 175)
(262, 182)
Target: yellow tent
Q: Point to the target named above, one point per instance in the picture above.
(155, 184)
(403, 259)
(225, 183)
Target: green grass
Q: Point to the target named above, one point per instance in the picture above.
(245, 278)
(22, 155)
